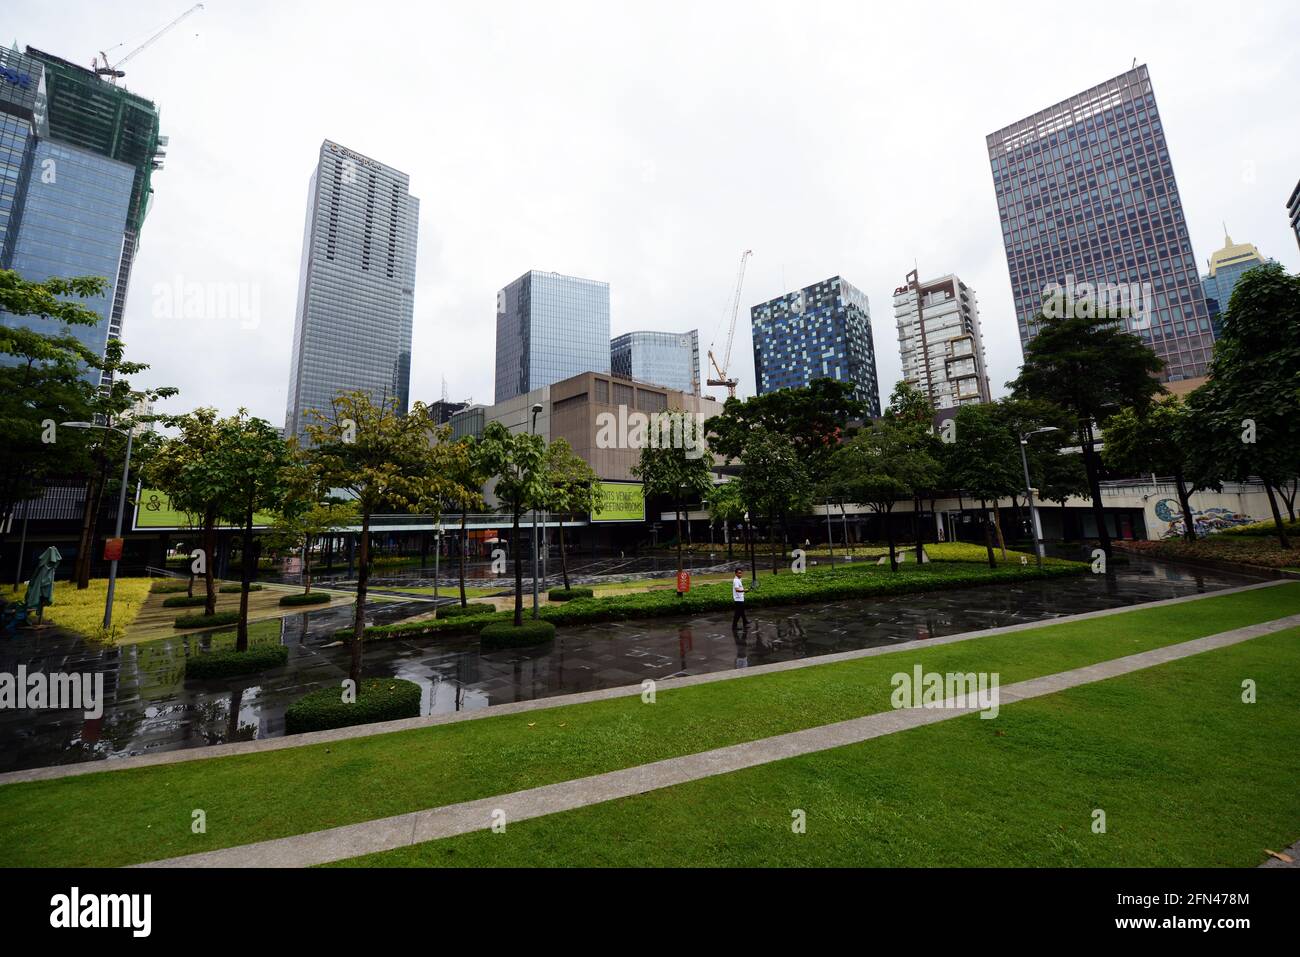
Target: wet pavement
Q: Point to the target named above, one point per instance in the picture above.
(150, 707)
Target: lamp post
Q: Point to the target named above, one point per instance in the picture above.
(121, 507)
(1029, 491)
(532, 430)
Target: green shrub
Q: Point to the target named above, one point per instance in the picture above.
(184, 601)
(378, 699)
(1260, 529)
(207, 621)
(473, 608)
(236, 588)
(230, 663)
(306, 598)
(169, 586)
(568, 594)
(504, 634)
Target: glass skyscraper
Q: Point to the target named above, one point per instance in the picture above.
(1086, 189)
(822, 331)
(356, 286)
(549, 328)
(670, 359)
(1227, 265)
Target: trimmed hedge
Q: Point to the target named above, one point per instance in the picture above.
(378, 699)
(166, 586)
(306, 598)
(504, 634)
(236, 588)
(473, 608)
(860, 580)
(207, 621)
(568, 594)
(184, 601)
(230, 663)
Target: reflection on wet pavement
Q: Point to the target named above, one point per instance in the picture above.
(150, 707)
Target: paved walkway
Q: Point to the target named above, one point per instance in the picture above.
(340, 843)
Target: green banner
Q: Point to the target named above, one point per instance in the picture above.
(153, 509)
(621, 502)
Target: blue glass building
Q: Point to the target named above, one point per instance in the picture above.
(1226, 266)
(670, 359)
(549, 328)
(1086, 189)
(822, 331)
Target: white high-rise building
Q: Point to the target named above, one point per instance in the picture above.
(940, 342)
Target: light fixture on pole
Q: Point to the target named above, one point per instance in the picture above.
(121, 507)
(1029, 491)
(532, 430)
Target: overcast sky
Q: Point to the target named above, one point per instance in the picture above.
(648, 145)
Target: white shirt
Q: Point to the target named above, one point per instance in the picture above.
(737, 589)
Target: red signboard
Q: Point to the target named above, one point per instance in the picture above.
(683, 582)
(112, 549)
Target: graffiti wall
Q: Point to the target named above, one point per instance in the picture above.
(1169, 519)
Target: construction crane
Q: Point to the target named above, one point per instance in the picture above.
(114, 72)
(722, 378)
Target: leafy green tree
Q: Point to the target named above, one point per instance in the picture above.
(725, 503)
(814, 419)
(1150, 443)
(1089, 367)
(466, 470)
(774, 482)
(300, 522)
(518, 460)
(672, 471)
(985, 461)
(381, 458)
(1245, 422)
(572, 488)
(910, 410)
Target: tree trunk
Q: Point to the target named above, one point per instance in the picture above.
(727, 526)
(1185, 503)
(677, 515)
(1094, 488)
(89, 520)
(210, 560)
(916, 513)
(1282, 538)
(245, 579)
(753, 559)
(771, 539)
(463, 548)
(988, 533)
(306, 566)
(519, 570)
(359, 613)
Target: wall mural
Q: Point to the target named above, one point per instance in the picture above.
(1206, 520)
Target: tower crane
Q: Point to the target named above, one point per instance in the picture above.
(113, 72)
(721, 370)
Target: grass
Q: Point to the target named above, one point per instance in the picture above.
(83, 611)
(451, 591)
(62, 822)
(1256, 551)
(1186, 773)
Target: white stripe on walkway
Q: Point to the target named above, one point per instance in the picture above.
(340, 843)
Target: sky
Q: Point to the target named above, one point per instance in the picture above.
(648, 146)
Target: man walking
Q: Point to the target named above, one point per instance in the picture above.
(738, 601)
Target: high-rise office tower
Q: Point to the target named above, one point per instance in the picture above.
(78, 161)
(1226, 266)
(940, 342)
(356, 286)
(1293, 212)
(670, 359)
(549, 328)
(1086, 194)
(822, 331)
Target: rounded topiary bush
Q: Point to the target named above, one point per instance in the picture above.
(207, 621)
(229, 663)
(506, 635)
(473, 608)
(568, 594)
(306, 598)
(378, 699)
(184, 601)
(236, 588)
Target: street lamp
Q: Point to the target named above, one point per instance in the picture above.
(121, 507)
(1029, 491)
(532, 430)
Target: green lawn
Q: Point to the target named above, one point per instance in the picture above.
(121, 817)
(83, 611)
(1186, 773)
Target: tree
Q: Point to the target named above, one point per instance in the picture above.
(572, 488)
(1150, 443)
(300, 521)
(985, 460)
(380, 457)
(1245, 422)
(1089, 367)
(877, 467)
(469, 475)
(910, 410)
(774, 482)
(518, 460)
(672, 471)
(725, 502)
(184, 468)
(249, 466)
